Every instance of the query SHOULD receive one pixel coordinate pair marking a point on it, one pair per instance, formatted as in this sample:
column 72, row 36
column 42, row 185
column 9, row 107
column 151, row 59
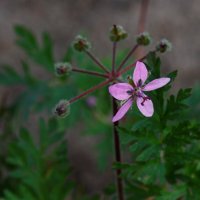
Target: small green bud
column 117, row 33
column 130, row 80
column 81, row 43
column 62, row 109
column 143, row 39
column 62, row 69
column 163, row 46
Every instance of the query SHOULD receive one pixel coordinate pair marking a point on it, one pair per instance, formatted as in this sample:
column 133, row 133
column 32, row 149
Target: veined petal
column 123, row 110
column 120, row 90
column 155, row 84
column 145, row 106
column 140, row 73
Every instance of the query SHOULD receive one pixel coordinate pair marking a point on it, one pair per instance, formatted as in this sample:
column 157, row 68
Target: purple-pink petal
column 140, row 73
column 119, row 90
column 145, row 107
column 155, row 84
column 123, row 110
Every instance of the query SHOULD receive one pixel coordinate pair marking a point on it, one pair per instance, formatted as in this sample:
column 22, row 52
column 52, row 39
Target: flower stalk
column 96, row 60
column 75, row 69
column 113, row 59
column 92, row 89
column 116, row 135
column 121, row 91
column 127, row 57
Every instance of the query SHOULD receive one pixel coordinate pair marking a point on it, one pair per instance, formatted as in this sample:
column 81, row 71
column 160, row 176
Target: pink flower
column 135, row 91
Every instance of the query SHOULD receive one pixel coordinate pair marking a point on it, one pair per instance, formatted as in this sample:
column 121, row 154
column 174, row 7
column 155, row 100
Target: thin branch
column 117, row 153
column 116, row 135
column 132, row 65
column 113, row 57
column 96, row 61
column 92, row 89
column 143, row 15
column 127, row 57
column 75, row 69
column 142, row 22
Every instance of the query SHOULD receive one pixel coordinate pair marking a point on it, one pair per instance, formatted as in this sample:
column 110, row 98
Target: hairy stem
column 114, row 54
column 116, row 136
column 117, row 154
column 130, row 66
column 92, row 89
column 75, row 69
column 95, row 60
column 127, row 57
column 141, row 22
column 143, row 15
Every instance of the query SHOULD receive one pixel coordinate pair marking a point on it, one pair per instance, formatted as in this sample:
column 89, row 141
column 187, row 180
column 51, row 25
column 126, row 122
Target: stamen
column 139, row 84
column 144, row 99
column 130, row 92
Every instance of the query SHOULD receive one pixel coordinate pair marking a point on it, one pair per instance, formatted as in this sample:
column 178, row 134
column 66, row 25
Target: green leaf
column 174, row 194
column 148, row 153
column 26, row 39
column 183, row 94
column 9, row 76
column 137, row 146
column 173, row 75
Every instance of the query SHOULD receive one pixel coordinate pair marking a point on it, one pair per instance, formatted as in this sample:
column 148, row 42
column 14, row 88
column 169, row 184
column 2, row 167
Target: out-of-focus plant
column 40, row 170
column 36, row 95
column 163, row 150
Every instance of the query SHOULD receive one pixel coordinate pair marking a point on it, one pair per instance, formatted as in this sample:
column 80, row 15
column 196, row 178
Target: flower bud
column 130, row 80
column 163, row 46
column 81, row 43
column 91, row 101
column 62, row 69
column 62, row 109
column 143, row 39
column 117, row 33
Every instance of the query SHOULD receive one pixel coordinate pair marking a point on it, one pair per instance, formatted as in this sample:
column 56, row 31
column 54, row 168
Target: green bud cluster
column 117, row 33
column 143, row 39
column 62, row 109
column 62, row 69
column 163, row 46
column 81, row 43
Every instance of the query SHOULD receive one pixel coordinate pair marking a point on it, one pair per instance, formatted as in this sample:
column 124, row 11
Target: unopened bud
column 143, row 39
column 81, row 43
column 62, row 69
column 130, row 80
column 117, row 33
column 62, row 109
column 163, row 46
column 91, row 101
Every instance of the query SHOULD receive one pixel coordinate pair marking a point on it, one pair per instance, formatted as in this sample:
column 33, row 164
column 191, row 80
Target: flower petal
column 140, row 73
column 155, row 84
column 123, row 110
column 119, row 91
column 145, row 107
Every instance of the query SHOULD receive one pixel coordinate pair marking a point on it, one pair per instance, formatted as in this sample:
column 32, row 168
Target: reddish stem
column 117, row 153
column 92, row 89
column 141, row 22
column 127, row 57
column 130, row 66
column 116, row 136
column 114, row 54
column 75, row 69
column 96, row 61
column 143, row 15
